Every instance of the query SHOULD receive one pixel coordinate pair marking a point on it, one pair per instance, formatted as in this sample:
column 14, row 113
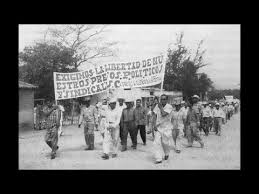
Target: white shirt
column 185, row 111
column 218, row 113
column 113, row 117
column 177, row 118
column 120, row 108
column 206, row 112
column 163, row 122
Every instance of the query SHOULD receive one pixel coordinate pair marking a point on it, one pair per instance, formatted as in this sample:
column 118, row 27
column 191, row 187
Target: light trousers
column 111, row 141
column 161, row 147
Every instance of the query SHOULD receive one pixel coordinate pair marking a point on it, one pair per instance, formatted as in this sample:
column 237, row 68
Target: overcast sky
column 139, row 41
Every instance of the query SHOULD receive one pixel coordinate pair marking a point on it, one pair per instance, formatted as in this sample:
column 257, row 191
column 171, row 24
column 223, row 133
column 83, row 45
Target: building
column 26, row 106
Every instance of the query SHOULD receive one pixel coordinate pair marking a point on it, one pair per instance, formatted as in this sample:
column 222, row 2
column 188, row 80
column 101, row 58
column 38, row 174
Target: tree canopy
column 181, row 72
column 38, row 62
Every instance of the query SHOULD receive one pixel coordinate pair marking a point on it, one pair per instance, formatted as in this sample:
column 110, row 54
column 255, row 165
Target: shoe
column 123, row 149
column 157, row 162
column 134, row 147
column 166, row 157
column 89, row 148
column 178, row 151
column 144, row 144
column 202, row 145
column 105, row 156
column 188, row 146
column 53, row 156
column 114, row 155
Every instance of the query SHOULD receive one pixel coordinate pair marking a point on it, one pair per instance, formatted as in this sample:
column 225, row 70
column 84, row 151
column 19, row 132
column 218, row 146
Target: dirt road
column 219, row 152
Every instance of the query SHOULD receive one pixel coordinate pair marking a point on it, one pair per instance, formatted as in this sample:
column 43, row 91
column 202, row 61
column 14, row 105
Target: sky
column 222, row 44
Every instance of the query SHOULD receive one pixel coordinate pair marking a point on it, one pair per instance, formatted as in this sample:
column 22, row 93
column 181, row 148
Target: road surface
column 219, row 152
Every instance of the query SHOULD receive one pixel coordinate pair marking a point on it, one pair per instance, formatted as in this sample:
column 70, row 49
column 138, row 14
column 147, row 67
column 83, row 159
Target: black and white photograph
column 129, row 97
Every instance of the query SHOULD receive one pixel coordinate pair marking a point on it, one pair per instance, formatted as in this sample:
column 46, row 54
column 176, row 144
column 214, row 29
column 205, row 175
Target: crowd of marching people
column 164, row 122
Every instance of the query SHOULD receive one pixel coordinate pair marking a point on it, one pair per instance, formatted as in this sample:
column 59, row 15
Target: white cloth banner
column 109, row 76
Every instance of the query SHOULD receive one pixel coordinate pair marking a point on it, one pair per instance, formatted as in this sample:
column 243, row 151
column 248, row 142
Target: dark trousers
column 206, row 123
column 129, row 127
column 121, row 132
column 89, row 135
column 142, row 129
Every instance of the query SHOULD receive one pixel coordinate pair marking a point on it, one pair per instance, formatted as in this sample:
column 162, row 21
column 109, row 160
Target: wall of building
column 26, row 102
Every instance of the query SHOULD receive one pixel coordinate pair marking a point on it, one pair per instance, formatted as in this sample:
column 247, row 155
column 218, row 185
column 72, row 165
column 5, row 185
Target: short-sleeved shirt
column 127, row 115
column 192, row 116
column 218, row 113
column 140, row 115
column 51, row 120
column 88, row 114
column 206, row 112
column 177, row 119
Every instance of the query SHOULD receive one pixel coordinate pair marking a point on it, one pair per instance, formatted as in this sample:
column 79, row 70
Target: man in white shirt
column 112, row 130
column 163, row 130
column 218, row 115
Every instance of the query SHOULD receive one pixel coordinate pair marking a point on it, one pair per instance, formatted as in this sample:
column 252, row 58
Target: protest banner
column 109, row 76
column 229, row 98
column 79, row 84
column 136, row 74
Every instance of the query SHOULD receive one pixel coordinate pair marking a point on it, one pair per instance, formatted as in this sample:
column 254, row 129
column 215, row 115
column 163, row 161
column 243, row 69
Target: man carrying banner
column 52, row 114
column 89, row 117
column 128, row 125
column 112, row 130
column 163, row 130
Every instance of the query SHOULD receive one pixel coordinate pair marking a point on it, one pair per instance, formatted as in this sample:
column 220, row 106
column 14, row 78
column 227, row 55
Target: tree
column 181, row 72
column 40, row 61
column 86, row 42
column 204, row 84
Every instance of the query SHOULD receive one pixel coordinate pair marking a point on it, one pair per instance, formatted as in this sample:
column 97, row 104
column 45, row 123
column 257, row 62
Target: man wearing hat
column 178, row 120
column 128, row 125
column 218, row 115
column 112, row 130
column 89, row 117
column 192, row 122
column 163, row 130
column 53, row 115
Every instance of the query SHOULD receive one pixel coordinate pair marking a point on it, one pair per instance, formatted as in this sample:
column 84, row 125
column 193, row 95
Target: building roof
column 26, row 85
